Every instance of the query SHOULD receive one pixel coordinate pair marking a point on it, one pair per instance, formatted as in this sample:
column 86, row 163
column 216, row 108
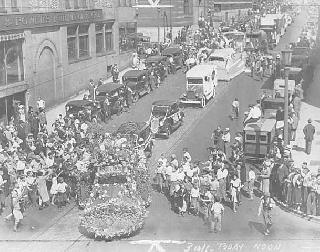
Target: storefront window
column 108, row 37
column 83, row 41
column 127, row 38
column 11, row 62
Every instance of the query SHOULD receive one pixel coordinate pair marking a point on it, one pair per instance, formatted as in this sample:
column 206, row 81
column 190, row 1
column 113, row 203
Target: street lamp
column 286, row 61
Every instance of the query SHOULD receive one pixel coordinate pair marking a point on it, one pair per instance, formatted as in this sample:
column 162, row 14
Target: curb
column 286, row 208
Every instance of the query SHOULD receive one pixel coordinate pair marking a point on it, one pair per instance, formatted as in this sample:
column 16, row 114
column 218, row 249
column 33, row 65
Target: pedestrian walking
column 235, row 108
column 251, row 179
column 91, row 89
column 226, row 138
column 115, row 73
column 265, row 207
column 294, row 126
column 309, row 131
column 217, row 210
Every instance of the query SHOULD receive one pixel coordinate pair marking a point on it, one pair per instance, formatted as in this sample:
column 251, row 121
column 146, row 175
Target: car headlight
column 184, row 95
column 161, row 123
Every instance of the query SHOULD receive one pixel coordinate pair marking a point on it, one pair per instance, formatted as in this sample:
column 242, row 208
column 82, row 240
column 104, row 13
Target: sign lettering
column 33, row 20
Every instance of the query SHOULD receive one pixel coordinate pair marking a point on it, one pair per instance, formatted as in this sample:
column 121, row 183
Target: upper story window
column 83, row 4
column 14, row 5
column 67, row 4
column 104, row 38
column 186, row 7
column 2, row 6
column 76, row 4
column 78, row 42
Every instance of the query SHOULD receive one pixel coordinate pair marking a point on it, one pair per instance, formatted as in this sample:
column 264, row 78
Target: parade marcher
column 265, row 176
column 265, row 207
column 309, row 131
column 251, row 180
column 297, row 181
column 217, row 211
column 235, row 192
column 194, row 199
column 226, row 138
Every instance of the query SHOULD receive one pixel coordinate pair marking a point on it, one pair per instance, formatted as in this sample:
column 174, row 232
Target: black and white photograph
column 159, row 125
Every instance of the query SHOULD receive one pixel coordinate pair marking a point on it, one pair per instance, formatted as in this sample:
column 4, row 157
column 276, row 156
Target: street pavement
column 166, row 231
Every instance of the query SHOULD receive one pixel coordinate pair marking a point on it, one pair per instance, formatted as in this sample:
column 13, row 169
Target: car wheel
column 135, row 97
column 203, row 102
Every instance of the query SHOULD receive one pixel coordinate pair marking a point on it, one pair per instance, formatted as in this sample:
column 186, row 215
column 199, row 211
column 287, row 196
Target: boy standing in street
column 217, row 211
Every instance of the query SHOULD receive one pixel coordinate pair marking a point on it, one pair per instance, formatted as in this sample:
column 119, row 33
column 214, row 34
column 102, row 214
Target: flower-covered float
column 121, row 191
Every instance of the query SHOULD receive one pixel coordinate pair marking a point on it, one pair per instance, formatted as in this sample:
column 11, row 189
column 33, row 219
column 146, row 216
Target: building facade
column 168, row 19
column 51, row 48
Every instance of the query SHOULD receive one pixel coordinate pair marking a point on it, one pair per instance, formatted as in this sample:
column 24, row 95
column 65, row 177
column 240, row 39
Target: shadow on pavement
column 257, row 226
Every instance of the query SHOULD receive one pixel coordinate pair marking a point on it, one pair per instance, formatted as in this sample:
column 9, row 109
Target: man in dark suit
column 309, row 131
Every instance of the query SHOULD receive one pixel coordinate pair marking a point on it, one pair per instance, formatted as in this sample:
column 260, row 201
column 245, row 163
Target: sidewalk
column 52, row 113
column 309, row 109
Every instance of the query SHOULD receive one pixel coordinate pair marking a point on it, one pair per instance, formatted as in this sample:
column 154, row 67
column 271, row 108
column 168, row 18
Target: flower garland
column 111, row 220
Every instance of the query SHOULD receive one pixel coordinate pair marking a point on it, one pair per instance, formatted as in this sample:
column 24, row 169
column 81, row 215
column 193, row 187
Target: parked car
column 115, row 94
column 165, row 117
column 139, row 133
column 159, row 63
column 83, row 109
column 177, row 55
column 139, row 83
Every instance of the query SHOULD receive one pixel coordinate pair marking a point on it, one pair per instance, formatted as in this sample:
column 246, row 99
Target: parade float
column 121, row 191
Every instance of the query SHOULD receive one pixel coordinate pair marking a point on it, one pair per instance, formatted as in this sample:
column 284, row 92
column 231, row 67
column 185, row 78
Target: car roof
column 134, row 73
column 201, row 70
column 131, row 127
column 170, row 51
column 265, row 125
column 80, row 103
column 108, row 87
column 164, row 102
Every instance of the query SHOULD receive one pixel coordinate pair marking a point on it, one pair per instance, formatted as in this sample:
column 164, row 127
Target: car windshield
column 195, row 81
column 159, row 110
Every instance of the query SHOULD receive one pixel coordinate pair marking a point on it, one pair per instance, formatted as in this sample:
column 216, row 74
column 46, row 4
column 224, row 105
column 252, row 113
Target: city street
column 242, row 231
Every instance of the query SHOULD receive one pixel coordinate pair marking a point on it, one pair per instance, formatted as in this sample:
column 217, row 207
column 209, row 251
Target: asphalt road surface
column 166, row 231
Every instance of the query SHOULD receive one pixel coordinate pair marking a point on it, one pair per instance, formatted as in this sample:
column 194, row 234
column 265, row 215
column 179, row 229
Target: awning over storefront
column 13, row 88
column 7, row 37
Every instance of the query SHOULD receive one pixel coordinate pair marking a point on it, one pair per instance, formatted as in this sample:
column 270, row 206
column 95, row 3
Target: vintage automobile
column 154, row 62
column 139, row 133
column 279, row 86
column 115, row 93
column 165, row 117
column 270, row 105
column 177, row 55
column 239, row 39
column 227, row 62
column 83, row 109
column 138, row 82
column 201, row 83
column 258, row 139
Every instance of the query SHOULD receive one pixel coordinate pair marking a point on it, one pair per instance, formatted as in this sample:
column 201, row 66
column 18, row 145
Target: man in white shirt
column 254, row 114
column 306, row 184
column 41, row 104
column 186, row 155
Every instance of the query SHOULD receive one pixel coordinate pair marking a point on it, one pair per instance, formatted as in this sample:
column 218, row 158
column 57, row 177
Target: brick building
column 51, row 48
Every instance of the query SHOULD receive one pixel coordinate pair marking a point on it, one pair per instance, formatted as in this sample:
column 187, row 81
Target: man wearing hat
column 226, row 137
column 309, row 131
column 265, row 207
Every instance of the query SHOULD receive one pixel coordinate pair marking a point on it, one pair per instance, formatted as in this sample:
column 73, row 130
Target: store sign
column 33, row 20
